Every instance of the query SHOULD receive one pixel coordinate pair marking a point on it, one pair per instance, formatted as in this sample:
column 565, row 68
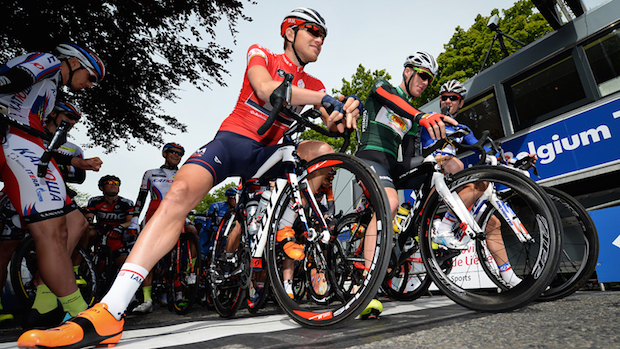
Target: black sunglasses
column 314, row 31
column 176, row 152
column 452, row 98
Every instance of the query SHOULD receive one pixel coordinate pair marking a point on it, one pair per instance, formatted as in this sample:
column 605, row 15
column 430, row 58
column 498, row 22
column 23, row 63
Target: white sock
column 125, row 285
column 447, row 223
column 288, row 217
column 505, row 270
column 288, row 286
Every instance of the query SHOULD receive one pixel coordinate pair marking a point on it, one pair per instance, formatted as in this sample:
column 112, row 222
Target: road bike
column 230, row 274
column 529, row 235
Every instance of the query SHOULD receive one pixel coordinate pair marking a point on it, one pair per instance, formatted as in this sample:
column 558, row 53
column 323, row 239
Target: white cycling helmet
column 87, row 58
column 300, row 16
column 453, row 86
column 422, row 59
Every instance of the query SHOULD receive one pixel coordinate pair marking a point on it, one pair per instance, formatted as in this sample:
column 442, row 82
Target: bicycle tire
column 227, row 293
column 185, row 273
column 580, row 247
column 351, row 175
column 24, row 269
column 535, row 262
column 105, row 269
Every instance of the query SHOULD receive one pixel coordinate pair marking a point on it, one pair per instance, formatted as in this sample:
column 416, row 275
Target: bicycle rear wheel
column 185, row 272
column 534, row 261
column 228, row 279
column 579, row 249
column 355, row 187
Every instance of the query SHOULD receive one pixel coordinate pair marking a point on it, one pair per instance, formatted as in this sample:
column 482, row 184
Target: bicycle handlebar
column 55, row 140
column 283, row 94
column 280, row 95
column 59, row 138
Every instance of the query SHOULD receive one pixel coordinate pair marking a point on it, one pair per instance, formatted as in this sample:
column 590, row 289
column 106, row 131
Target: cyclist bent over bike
column 237, row 150
column 28, row 89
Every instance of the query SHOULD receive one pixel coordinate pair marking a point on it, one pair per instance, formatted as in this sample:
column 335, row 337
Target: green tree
column 216, row 195
column 360, row 85
column 80, row 198
column 466, row 50
column 149, row 48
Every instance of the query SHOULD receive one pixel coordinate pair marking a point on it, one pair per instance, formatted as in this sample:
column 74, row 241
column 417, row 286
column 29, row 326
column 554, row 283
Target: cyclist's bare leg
column 234, row 239
column 308, row 150
column 191, row 184
column 370, row 238
column 55, row 267
column 495, row 242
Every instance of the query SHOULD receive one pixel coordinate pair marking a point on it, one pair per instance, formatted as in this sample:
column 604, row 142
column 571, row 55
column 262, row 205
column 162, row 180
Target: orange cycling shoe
column 292, row 249
column 94, row 326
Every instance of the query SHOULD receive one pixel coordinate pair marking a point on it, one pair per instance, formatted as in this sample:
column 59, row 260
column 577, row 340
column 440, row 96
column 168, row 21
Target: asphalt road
column 587, row 319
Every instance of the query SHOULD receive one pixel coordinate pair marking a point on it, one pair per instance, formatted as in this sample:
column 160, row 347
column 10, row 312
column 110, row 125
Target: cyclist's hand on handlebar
column 349, row 109
column 116, row 232
column 435, row 124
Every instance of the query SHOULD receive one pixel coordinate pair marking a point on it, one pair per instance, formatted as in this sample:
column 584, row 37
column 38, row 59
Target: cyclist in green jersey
column 390, row 121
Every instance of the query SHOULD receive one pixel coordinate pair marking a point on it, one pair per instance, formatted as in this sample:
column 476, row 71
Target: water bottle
column 400, row 221
column 255, row 222
column 250, row 210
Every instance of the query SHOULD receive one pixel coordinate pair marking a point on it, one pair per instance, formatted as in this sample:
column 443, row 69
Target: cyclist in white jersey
column 75, row 173
column 157, row 182
column 28, row 89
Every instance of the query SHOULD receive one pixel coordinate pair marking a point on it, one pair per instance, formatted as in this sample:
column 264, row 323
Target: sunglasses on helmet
column 423, row 74
column 314, row 30
column 453, row 98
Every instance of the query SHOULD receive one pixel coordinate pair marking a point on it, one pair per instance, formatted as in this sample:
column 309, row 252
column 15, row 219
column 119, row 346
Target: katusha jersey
column 35, row 102
column 251, row 112
column 157, row 182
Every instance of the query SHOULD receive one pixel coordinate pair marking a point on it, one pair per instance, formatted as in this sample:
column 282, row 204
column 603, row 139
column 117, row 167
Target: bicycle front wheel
column 579, row 249
column 345, row 281
column 475, row 280
column 228, row 278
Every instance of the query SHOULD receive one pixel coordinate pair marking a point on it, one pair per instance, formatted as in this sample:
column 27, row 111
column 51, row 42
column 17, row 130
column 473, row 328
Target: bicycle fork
column 490, row 196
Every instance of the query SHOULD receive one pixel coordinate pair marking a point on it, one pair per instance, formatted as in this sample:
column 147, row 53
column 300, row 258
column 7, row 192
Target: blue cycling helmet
column 87, row 58
column 230, row 192
column 172, row 145
column 68, row 109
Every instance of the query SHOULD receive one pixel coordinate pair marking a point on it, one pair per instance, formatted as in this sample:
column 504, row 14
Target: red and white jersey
column 158, row 181
column 251, row 112
column 35, row 102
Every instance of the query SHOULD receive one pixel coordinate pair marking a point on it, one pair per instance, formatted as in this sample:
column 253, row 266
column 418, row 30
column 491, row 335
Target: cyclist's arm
column 142, row 194
column 401, row 107
column 263, row 86
column 15, row 79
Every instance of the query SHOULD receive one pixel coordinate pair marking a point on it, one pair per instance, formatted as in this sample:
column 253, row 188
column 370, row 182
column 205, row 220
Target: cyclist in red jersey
column 237, row 150
column 113, row 215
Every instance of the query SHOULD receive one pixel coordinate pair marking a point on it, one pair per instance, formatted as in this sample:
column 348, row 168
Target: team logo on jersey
column 281, row 73
column 395, row 119
column 301, row 83
column 216, row 159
